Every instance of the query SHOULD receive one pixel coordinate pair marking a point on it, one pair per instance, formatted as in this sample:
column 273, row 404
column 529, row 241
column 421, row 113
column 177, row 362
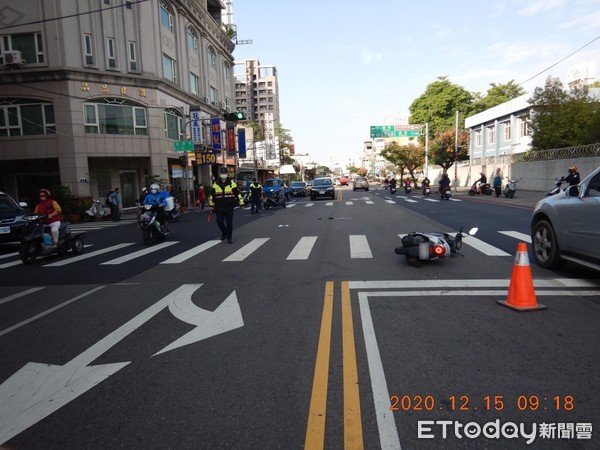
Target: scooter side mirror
column 473, row 230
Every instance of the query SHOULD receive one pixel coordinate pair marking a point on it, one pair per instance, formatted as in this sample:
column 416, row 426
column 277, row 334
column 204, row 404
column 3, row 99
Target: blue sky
column 344, row 65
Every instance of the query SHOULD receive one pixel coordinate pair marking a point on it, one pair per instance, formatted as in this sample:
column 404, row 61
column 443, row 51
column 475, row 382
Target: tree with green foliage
column 409, row 157
column 442, row 148
column 439, row 103
column 496, row 95
column 562, row 118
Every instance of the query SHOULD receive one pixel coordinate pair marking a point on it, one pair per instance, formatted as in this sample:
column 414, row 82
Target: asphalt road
column 302, row 333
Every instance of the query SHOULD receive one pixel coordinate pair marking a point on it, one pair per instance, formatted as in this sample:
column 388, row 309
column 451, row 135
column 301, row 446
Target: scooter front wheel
column 77, row 245
column 28, row 252
column 147, row 236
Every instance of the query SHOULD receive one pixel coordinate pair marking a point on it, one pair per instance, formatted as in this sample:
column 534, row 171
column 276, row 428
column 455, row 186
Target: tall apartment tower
column 257, row 91
column 95, row 94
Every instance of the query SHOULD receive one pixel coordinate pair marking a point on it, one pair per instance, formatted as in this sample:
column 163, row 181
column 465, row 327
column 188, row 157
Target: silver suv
column 566, row 226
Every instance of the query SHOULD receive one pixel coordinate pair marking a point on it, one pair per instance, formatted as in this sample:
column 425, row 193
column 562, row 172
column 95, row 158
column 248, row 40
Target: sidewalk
column 522, row 198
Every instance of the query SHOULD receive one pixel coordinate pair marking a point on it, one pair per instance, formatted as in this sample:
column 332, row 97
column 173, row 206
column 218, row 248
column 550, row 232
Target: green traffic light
column 239, row 115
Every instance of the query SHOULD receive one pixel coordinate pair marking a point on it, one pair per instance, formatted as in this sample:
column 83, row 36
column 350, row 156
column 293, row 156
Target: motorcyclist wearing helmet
column 224, row 197
column 157, row 198
column 52, row 210
column 573, row 178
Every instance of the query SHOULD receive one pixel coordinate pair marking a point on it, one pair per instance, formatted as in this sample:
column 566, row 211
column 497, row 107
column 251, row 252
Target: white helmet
column 154, row 188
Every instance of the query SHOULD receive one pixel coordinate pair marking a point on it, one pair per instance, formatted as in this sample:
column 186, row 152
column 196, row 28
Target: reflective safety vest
column 225, row 196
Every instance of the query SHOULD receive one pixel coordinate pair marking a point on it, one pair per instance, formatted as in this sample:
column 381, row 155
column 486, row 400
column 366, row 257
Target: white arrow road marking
column 515, row 234
column 37, row 390
column 226, row 317
column 78, row 258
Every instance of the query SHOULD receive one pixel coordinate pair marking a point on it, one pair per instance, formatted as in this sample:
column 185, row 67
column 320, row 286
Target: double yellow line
column 315, row 430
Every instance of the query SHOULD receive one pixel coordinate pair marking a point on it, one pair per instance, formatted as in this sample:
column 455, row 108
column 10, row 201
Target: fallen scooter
column 274, row 200
column 418, row 247
column 36, row 241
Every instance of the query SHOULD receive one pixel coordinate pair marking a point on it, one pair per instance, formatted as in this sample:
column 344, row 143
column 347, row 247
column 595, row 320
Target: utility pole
column 456, row 154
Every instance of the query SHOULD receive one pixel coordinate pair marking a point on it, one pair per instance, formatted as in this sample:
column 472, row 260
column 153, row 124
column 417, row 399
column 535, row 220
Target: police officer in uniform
column 255, row 194
column 224, row 197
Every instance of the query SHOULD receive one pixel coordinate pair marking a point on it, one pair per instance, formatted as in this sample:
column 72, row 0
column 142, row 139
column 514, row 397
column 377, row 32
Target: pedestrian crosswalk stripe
column 391, row 201
column 484, row 247
column 290, row 205
column 78, row 258
column 329, row 204
column 191, row 252
column 431, row 200
column 140, row 253
column 369, row 202
column 349, row 203
column 246, row 250
column 410, row 200
column 515, row 234
column 454, row 199
column 308, row 205
column 303, row 248
column 359, row 247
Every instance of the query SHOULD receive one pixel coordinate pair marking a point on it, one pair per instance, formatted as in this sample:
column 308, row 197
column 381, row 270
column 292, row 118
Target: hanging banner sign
column 242, row 142
column 215, row 130
column 230, row 140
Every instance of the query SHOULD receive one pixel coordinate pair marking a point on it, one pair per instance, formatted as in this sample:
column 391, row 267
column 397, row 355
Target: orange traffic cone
column 521, row 295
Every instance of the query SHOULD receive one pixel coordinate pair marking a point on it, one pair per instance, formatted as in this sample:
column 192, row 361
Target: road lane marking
column 353, row 434
column 431, row 200
column 246, row 250
column 391, row 201
column 359, row 246
column 329, row 204
column 491, row 283
column 388, row 433
column 349, row 203
column 315, row 429
column 140, row 253
column 484, row 247
column 410, row 200
column 515, row 234
column 303, row 248
column 191, row 252
column 48, row 311
column 20, row 294
column 308, row 205
column 78, row 258
column 369, row 202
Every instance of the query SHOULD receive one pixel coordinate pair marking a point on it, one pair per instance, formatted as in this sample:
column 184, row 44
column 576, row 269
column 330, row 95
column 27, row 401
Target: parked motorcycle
column 510, row 188
column 426, row 190
column 96, row 211
column 36, row 240
column 150, row 226
column 418, row 247
column 273, row 200
column 446, row 193
column 482, row 189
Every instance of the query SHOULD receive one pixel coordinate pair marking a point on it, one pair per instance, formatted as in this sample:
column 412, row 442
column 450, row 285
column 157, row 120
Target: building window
column 173, row 124
column 132, row 57
column 212, row 57
column 192, row 39
column 507, row 132
column 110, row 50
column 194, row 84
column 24, row 117
column 169, row 69
column 88, row 49
column 166, row 18
column 478, row 139
column 523, row 126
column 226, row 71
column 491, row 135
column 29, row 44
column 114, row 117
column 213, row 95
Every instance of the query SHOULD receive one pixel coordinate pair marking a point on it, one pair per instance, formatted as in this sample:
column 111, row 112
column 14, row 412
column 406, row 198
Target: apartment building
column 257, row 91
column 95, row 93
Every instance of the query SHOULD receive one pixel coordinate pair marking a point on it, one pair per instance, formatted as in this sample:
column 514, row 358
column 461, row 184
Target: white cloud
column 368, row 56
column 539, row 6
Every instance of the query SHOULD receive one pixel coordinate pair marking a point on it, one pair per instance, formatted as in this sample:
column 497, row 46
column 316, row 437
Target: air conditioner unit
column 228, row 108
column 206, row 100
column 13, row 57
column 222, row 105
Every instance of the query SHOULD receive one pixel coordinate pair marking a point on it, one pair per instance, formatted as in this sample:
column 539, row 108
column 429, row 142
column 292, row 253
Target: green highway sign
column 184, row 146
column 391, row 131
